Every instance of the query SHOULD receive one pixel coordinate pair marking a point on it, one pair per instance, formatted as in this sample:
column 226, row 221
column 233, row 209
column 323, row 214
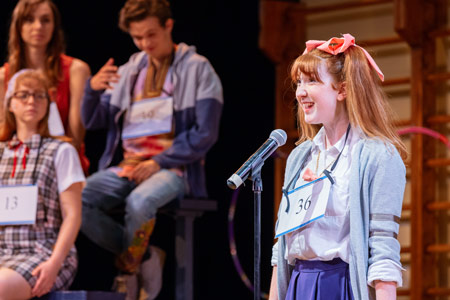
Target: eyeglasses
column 24, row 95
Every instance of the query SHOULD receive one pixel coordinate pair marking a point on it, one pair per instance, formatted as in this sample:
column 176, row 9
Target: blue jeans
column 105, row 191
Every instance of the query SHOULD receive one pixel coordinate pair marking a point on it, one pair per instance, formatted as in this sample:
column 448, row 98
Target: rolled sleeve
column 385, row 270
column 274, row 260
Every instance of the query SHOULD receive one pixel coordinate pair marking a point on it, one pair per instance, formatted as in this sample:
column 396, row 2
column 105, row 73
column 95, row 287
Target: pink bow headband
column 339, row 45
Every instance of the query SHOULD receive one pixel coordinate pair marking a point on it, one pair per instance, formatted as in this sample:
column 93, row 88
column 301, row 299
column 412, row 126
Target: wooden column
column 282, row 38
column 414, row 19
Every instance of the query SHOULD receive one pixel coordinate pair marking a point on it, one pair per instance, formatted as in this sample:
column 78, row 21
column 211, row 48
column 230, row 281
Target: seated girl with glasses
column 36, row 41
column 40, row 195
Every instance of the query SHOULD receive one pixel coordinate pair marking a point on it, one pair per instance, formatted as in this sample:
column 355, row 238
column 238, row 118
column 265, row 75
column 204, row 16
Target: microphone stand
column 257, row 189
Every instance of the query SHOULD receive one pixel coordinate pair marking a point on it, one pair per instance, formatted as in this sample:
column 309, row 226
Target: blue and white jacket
column 376, row 187
column 198, row 102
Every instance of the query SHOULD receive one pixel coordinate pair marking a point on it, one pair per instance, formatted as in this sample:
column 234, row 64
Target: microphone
column 276, row 139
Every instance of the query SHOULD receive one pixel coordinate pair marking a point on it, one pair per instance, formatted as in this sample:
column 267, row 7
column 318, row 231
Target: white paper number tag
column 303, row 205
column 55, row 125
column 18, row 204
column 149, row 117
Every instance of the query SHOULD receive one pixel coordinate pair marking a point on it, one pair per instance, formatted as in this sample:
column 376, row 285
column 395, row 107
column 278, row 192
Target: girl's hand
column 46, row 274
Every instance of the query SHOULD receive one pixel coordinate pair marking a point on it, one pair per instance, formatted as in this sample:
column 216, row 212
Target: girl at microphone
column 344, row 182
column 44, row 176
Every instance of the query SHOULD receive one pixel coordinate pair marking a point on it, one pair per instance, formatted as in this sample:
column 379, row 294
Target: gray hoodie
column 198, row 102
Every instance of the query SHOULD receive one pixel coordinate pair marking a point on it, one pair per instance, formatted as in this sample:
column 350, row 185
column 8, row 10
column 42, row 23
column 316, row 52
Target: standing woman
column 44, row 175
column 36, row 42
column 343, row 188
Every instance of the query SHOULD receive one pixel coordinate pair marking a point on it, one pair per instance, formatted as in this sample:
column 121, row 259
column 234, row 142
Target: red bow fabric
column 309, row 175
column 15, row 147
column 15, row 144
column 339, row 45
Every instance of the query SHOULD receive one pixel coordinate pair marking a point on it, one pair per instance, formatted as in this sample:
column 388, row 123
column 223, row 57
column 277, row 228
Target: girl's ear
column 342, row 91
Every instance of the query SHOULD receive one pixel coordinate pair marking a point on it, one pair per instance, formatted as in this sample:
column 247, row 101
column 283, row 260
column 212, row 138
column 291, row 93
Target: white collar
column 341, row 144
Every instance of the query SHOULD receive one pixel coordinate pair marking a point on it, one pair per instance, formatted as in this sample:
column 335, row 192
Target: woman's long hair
column 9, row 127
column 366, row 103
column 16, row 46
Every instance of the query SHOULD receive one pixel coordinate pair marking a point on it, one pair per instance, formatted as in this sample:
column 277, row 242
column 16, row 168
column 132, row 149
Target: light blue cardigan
column 377, row 184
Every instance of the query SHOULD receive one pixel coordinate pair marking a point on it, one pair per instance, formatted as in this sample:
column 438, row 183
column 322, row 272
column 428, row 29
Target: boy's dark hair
column 138, row 10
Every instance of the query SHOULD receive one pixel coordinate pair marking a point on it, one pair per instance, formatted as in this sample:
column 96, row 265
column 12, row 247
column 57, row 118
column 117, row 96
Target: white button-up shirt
column 329, row 236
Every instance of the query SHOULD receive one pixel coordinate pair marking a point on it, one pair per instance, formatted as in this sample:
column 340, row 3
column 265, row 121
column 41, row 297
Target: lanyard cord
column 326, row 172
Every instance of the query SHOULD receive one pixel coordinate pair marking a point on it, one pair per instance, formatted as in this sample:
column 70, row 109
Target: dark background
column 226, row 32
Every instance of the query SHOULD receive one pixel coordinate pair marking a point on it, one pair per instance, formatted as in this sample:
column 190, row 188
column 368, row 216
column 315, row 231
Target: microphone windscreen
column 280, row 136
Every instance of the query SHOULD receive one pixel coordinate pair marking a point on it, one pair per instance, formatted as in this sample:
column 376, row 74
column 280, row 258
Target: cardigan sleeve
column 386, row 190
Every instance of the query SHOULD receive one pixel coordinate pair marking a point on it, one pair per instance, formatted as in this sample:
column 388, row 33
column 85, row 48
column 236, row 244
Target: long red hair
column 16, row 46
column 366, row 103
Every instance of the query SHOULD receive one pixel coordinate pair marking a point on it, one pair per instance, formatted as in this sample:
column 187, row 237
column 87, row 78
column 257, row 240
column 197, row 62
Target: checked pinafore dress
column 24, row 247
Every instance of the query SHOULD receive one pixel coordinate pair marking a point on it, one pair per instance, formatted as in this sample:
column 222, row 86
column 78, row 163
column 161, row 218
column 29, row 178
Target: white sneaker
column 127, row 284
column 150, row 274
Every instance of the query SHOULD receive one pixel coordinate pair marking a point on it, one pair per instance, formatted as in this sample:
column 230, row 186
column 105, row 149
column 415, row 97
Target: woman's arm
column 70, row 200
column 273, row 294
column 79, row 73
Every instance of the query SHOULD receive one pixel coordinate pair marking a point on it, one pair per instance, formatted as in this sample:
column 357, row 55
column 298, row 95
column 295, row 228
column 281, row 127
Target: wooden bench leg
column 184, row 247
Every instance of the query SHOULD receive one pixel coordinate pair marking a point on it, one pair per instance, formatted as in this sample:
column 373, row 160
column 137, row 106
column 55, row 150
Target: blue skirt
column 320, row 280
